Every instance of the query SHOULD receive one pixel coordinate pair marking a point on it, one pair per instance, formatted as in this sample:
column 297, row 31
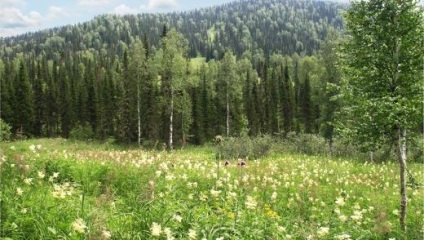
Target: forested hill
column 252, row 69
column 271, row 26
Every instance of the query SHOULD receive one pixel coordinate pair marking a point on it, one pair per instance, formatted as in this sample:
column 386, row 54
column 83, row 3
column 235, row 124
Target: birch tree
column 382, row 58
column 174, row 69
column 229, row 87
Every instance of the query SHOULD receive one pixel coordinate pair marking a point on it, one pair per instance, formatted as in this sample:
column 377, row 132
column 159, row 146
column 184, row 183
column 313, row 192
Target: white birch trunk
column 331, row 146
column 402, row 167
column 171, row 117
column 139, row 113
column 228, row 114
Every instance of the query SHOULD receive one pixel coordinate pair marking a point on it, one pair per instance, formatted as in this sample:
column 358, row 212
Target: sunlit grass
column 58, row 189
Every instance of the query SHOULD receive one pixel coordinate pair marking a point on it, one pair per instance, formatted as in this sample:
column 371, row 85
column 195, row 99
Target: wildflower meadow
column 59, row 189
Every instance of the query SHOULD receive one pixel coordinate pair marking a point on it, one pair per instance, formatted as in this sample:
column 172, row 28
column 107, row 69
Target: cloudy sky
column 20, row 16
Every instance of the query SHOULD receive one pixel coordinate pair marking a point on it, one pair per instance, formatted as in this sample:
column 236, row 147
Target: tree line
column 162, row 95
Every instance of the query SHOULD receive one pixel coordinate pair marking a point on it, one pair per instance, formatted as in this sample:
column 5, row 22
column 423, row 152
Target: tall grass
column 57, row 189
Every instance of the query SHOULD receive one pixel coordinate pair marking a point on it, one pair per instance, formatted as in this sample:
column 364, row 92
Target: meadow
column 59, row 189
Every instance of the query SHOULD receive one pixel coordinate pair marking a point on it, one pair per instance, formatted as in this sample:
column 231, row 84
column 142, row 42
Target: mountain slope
column 271, row 26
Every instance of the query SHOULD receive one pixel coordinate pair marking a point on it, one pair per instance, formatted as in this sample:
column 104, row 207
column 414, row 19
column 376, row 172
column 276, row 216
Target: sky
column 21, row 16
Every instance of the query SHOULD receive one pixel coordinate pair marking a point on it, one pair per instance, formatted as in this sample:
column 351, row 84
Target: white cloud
column 124, row 9
column 56, row 12
column 160, row 4
column 14, row 18
column 9, row 3
column 97, row 3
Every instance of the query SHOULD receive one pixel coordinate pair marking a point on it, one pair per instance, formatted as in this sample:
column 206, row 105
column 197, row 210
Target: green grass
column 58, row 189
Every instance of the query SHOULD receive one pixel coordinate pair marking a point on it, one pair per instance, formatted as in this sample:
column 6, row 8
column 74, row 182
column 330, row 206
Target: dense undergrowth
column 59, row 189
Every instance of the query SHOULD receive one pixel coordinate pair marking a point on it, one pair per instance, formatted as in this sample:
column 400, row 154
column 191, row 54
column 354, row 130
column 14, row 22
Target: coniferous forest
column 250, row 67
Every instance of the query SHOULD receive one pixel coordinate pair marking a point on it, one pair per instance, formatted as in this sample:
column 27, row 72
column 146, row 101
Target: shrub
column 82, row 132
column 5, row 132
column 243, row 147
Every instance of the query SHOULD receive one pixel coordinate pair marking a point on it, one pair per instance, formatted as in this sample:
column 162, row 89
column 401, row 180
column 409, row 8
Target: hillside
column 271, row 26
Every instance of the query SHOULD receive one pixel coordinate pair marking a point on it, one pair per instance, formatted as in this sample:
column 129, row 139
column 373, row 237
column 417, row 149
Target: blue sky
column 20, row 16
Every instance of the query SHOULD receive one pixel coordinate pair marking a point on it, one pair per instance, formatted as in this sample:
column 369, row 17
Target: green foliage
column 244, row 147
column 82, row 132
column 5, row 132
column 382, row 61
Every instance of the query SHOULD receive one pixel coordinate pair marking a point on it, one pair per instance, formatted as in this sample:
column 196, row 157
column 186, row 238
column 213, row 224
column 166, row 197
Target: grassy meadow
column 59, row 189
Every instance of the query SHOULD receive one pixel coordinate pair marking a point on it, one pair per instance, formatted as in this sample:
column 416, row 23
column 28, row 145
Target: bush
column 82, row 132
column 5, row 132
column 243, row 147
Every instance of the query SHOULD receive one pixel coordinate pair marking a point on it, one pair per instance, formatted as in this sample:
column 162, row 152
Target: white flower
column 177, row 217
column 28, row 181
column 168, row 234
column 19, row 191
column 342, row 237
column 106, row 235
column 323, row 231
column 156, row 229
column 396, row 212
column 215, row 193
column 281, row 229
column 340, row 201
column 55, row 174
column 32, row 148
column 343, row 218
column 24, row 210
column 219, row 183
column 192, row 234
column 357, row 216
column 274, row 196
column 79, row 225
column 251, row 203
column 41, row 174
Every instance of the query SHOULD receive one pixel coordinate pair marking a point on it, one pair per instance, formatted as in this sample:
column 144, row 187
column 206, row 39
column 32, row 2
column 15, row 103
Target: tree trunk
column 402, row 165
column 138, row 113
column 228, row 114
column 171, row 116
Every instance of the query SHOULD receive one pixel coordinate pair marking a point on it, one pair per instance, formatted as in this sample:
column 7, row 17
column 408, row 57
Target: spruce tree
column 39, row 101
column 287, row 102
column 24, row 107
column 307, row 105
